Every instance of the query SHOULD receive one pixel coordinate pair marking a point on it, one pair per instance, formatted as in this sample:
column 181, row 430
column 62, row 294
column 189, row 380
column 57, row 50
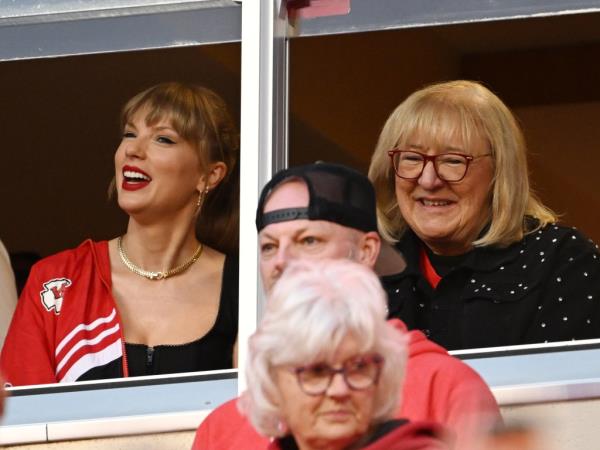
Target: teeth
column 435, row 202
column 135, row 175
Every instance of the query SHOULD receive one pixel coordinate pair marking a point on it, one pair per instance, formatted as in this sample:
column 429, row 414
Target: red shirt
column 66, row 324
column 437, row 387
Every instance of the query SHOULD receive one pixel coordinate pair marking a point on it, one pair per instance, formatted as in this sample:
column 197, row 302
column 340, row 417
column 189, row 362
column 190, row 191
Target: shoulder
column 228, row 413
column 559, row 247
column 556, row 236
column 71, row 258
column 429, row 363
column 432, row 363
column 215, row 432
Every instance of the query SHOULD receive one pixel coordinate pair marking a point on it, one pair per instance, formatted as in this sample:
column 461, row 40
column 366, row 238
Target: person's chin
column 341, row 432
column 130, row 205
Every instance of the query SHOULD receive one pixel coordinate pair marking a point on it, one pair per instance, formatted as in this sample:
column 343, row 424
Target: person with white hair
column 324, row 210
column 325, row 368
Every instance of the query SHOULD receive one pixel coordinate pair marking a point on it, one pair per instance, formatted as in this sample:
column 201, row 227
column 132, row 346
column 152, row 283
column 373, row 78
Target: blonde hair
column 200, row 117
column 467, row 110
column 311, row 309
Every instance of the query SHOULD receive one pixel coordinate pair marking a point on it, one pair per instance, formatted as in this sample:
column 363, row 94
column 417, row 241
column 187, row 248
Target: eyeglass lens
column 359, row 373
column 449, row 167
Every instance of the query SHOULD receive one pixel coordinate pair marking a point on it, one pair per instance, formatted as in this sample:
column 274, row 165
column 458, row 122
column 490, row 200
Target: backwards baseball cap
column 337, row 194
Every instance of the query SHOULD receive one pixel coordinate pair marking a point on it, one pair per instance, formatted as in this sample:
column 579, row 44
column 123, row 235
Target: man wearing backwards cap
column 328, row 211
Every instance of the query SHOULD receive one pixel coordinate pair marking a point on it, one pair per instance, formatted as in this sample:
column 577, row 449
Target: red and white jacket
column 66, row 326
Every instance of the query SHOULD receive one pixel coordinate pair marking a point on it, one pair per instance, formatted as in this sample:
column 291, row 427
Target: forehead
column 448, row 140
column 291, row 193
column 150, row 118
column 440, row 126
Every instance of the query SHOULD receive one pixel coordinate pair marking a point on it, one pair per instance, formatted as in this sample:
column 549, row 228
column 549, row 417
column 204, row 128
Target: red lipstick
column 134, row 178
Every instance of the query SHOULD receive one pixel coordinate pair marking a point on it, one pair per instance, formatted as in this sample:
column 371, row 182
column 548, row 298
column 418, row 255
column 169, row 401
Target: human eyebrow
column 162, row 128
column 453, row 149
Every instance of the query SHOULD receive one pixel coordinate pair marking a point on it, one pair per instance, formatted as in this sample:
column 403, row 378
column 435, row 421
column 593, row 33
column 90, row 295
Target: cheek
column 266, row 271
column 119, row 154
column 403, row 188
column 477, row 198
column 296, row 407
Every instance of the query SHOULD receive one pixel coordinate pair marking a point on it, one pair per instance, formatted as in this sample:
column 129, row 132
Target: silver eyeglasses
column 359, row 373
column 409, row 164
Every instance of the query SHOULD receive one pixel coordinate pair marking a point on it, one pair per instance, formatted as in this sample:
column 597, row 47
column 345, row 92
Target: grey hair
column 309, row 312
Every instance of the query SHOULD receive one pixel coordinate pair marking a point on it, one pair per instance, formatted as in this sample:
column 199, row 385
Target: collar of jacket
column 483, row 259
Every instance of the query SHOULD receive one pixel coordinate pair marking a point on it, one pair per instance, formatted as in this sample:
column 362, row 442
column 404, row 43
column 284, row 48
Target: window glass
column 62, row 128
column 344, row 86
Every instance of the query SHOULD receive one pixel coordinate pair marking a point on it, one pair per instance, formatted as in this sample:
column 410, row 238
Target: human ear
column 213, row 176
column 369, row 246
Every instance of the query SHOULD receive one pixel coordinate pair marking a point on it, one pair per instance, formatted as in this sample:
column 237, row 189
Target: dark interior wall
column 343, row 87
column 60, row 129
column 59, row 116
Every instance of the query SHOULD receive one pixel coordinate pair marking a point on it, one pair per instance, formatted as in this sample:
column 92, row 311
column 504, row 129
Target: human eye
column 267, row 248
column 318, row 370
column 410, row 158
column 128, row 134
column 452, row 160
column 309, row 241
column 358, row 365
column 165, row 140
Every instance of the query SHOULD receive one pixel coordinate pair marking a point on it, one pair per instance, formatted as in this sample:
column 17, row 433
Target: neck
column 159, row 246
column 325, row 444
column 448, row 250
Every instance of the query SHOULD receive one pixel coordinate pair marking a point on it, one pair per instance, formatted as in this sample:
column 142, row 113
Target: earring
column 282, row 428
column 201, row 196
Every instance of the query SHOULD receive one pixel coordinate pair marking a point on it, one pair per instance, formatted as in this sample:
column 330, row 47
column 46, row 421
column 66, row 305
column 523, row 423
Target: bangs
column 171, row 103
column 437, row 121
column 321, row 333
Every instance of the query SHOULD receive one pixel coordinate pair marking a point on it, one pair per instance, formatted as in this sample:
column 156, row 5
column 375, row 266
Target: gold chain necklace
column 156, row 275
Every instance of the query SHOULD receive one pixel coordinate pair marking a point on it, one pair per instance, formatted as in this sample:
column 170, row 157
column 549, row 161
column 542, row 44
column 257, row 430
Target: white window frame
column 59, row 29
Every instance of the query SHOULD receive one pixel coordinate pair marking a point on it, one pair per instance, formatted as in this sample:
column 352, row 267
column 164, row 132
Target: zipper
column 149, row 357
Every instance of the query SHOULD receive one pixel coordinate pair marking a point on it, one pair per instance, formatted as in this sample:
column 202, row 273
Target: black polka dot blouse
column 544, row 288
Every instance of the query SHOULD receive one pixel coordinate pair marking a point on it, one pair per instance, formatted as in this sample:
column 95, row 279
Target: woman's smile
column 134, row 178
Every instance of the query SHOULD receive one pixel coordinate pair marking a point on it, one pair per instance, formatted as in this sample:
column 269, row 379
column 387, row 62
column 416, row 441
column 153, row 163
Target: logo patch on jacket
column 53, row 294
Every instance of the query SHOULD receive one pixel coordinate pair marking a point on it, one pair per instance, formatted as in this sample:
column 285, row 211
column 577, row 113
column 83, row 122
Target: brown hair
column 200, row 117
column 470, row 110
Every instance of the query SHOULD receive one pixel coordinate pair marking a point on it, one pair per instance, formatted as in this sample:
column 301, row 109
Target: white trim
column 494, row 351
column 251, row 121
column 84, row 326
column 122, row 426
column 23, row 434
column 83, row 342
column 560, row 391
column 91, row 360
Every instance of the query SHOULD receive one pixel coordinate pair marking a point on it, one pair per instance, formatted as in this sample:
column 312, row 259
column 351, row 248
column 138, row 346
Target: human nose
column 134, row 148
column 429, row 178
column 338, row 386
column 282, row 258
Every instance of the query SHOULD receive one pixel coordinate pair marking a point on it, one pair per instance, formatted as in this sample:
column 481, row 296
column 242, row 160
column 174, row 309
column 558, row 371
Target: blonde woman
column 156, row 299
column 487, row 263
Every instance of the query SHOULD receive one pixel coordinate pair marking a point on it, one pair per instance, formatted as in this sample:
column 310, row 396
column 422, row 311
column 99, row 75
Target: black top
column 544, row 288
column 289, row 443
column 212, row 351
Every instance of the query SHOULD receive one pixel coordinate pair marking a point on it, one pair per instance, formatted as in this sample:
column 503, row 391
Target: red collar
column 427, row 269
